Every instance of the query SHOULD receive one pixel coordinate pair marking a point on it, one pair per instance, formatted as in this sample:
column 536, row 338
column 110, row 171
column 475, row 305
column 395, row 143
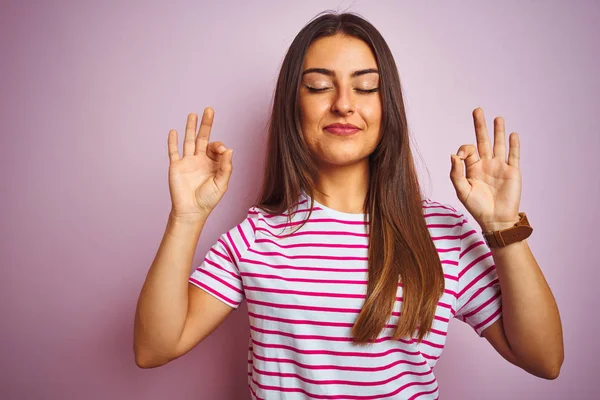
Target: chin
column 342, row 160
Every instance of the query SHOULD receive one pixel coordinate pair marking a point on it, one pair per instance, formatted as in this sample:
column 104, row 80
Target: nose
column 343, row 102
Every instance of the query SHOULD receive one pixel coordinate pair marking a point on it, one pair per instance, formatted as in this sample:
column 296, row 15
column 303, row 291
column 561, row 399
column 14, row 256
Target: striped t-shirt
column 304, row 291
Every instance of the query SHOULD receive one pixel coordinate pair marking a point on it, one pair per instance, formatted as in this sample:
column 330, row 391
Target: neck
column 344, row 188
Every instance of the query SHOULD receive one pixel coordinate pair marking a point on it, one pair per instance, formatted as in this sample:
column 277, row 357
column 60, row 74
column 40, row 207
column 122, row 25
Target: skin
column 489, row 185
column 529, row 334
column 341, row 102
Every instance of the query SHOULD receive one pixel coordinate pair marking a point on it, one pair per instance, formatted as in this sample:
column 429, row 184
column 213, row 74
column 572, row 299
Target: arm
column 530, row 333
column 172, row 315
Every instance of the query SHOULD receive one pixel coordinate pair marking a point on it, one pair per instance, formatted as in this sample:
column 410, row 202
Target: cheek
column 372, row 113
column 311, row 113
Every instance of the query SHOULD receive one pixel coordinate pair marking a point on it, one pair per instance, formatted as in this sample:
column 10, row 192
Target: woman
column 350, row 275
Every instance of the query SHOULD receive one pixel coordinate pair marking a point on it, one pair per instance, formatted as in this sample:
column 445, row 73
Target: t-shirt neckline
column 334, row 213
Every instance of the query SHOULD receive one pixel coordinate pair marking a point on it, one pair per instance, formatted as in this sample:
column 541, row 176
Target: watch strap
column 519, row 231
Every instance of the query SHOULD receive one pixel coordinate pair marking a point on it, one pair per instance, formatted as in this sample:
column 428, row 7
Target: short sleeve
column 479, row 300
column 219, row 273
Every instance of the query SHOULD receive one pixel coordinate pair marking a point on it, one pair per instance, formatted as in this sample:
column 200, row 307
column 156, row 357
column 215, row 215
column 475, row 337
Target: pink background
column 90, row 91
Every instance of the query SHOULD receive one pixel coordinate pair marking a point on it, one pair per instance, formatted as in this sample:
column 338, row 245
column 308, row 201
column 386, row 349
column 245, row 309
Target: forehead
column 342, row 54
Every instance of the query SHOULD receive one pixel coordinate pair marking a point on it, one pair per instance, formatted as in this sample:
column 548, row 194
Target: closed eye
column 315, row 90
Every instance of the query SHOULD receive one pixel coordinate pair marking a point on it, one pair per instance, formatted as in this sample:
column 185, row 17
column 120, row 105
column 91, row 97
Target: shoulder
column 439, row 212
column 242, row 236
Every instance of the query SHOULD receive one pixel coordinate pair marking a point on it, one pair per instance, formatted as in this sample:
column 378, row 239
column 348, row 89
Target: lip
column 342, row 129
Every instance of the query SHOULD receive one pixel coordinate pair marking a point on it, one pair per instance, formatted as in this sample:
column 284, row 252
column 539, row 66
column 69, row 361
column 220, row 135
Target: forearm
column 162, row 306
column 530, row 315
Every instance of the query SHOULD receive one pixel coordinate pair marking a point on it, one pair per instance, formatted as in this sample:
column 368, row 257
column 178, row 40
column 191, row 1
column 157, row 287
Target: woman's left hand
column 491, row 189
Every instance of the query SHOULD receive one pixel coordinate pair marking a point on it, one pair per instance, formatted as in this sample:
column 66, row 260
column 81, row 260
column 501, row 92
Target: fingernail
column 222, row 148
column 461, row 153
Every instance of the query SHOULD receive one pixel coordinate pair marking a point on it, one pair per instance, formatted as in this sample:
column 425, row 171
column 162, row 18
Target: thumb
column 457, row 176
column 224, row 173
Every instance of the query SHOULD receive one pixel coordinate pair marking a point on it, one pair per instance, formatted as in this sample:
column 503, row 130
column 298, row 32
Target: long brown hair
column 400, row 247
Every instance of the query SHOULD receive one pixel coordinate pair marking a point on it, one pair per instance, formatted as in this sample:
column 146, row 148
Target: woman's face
column 343, row 90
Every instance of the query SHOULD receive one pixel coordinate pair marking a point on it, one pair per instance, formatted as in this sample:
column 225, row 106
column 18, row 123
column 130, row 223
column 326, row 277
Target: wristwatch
column 519, row 231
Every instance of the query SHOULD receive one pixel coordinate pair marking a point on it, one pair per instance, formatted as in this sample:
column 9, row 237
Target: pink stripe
column 450, row 292
column 448, row 250
column 313, row 220
column 217, row 252
column 323, row 281
column 442, row 215
column 252, row 225
column 232, row 243
column 488, row 319
column 324, row 323
column 214, row 264
column 322, row 269
column 327, row 233
column 472, row 263
column 477, row 279
column 306, row 280
column 439, row 250
column 239, row 227
column 429, row 357
column 337, row 381
column 301, row 307
column 220, row 280
column 283, row 214
column 202, row 285
column 343, row 397
column 467, row 234
column 336, row 353
column 337, row 367
column 307, row 257
column 309, row 294
column 416, row 395
column 450, row 262
column 438, row 332
column 228, row 250
column 444, row 225
column 481, row 307
column 438, row 205
column 325, row 338
column 328, row 245
column 478, row 292
column 427, row 200
column 323, row 309
column 252, row 390
column 471, row 247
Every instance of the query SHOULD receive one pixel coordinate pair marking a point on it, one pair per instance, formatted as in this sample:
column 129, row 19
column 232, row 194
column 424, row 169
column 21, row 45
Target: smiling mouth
column 341, row 131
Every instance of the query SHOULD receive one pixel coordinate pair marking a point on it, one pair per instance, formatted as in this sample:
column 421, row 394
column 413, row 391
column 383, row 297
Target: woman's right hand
column 199, row 179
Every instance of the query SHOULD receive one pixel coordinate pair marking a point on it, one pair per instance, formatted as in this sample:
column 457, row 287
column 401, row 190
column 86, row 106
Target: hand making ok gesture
column 491, row 189
column 198, row 180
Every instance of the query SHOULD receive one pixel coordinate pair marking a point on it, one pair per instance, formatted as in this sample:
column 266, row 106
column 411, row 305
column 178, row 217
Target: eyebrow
column 329, row 72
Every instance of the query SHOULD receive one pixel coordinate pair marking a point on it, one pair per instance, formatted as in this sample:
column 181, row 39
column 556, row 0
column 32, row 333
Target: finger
column 514, row 151
column 457, row 176
column 224, row 173
column 468, row 153
column 172, row 146
column 215, row 150
column 483, row 141
column 189, row 143
column 499, row 139
column 205, row 127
